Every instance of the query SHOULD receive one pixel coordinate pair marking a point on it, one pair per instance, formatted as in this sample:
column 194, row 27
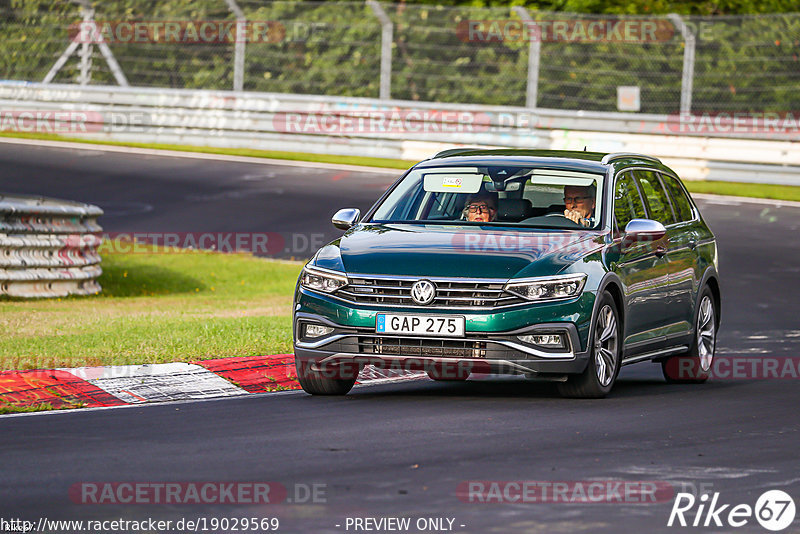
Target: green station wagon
column 556, row 265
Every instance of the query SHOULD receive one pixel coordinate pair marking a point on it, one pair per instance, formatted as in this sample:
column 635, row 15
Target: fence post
column 239, row 46
column 687, row 78
column 387, row 36
column 534, row 54
column 86, row 49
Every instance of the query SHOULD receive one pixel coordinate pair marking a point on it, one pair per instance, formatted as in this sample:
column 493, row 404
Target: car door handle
column 661, row 251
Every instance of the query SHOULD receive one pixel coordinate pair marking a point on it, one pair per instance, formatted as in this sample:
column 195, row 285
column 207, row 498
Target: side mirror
column 346, row 218
column 643, row 230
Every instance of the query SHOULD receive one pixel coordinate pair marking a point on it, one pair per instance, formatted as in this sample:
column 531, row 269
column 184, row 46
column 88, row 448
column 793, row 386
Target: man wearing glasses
column 481, row 207
column 579, row 204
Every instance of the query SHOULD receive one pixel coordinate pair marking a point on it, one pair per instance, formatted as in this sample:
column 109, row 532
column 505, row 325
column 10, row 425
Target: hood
column 456, row 251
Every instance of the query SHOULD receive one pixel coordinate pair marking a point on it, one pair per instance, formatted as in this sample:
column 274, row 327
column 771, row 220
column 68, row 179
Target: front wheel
column 333, row 381
column 694, row 367
column 604, row 361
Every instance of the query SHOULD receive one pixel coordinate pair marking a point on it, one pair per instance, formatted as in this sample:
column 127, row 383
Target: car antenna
column 584, row 148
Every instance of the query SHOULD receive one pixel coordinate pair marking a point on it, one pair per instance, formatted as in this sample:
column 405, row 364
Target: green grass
column 272, row 154
column 737, row 189
column 157, row 308
column 11, row 408
column 777, row 192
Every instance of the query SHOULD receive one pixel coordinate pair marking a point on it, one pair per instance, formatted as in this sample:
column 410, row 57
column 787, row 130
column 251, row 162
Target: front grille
column 449, row 293
column 422, row 347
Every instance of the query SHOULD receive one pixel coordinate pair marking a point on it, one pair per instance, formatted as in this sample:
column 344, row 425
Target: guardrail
column 48, row 247
column 391, row 128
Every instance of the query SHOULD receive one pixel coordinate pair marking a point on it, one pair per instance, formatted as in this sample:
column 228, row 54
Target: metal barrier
column 48, row 247
column 393, row 128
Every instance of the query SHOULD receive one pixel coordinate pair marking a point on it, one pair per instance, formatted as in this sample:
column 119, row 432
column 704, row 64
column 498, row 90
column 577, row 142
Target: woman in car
column 481, row 207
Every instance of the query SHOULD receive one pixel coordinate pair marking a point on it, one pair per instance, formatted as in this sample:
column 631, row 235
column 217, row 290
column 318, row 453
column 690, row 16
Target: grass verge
column 739, row 189
column 11, row 408
column 270, row 154
column 157, row 308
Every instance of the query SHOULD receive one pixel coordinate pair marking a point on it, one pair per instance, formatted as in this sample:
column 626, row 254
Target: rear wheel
column 333, row 381
column 604, row 361
column 694, row 367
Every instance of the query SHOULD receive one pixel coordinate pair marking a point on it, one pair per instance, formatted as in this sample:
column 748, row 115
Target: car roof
column 597, row 162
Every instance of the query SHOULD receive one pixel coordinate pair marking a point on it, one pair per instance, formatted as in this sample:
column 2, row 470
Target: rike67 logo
column 774, row 510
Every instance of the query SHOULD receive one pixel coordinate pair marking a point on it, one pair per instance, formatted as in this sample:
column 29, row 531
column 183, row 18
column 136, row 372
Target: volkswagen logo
column 423, row 292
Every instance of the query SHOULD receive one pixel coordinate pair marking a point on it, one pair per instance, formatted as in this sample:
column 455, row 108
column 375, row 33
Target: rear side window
column 627, row 203
column 680, row 201
column 657, row 201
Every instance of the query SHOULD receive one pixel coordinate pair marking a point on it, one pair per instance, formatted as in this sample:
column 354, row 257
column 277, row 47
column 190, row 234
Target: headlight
column 549, row 288
column 319, row 280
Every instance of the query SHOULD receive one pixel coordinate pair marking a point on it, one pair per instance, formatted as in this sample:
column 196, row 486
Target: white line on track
column 718, row 199
column 198, row 155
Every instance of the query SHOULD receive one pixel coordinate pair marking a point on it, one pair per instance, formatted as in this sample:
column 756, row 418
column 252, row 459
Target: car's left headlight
column 322, row 280
column 548, row 288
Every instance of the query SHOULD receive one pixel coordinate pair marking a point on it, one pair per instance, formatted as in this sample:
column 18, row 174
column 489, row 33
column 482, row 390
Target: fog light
column 550, row 341
column 317, row 330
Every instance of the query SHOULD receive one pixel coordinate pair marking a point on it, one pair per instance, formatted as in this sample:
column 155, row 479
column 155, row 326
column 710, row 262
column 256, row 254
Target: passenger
column 579, row 204
column 481, row 207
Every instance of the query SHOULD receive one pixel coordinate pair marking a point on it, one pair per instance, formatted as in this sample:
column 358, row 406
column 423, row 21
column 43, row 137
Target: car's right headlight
column 548, row 288
column 322, row 280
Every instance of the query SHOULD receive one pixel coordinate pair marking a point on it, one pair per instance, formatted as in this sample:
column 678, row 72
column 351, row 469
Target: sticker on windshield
column 452, row 183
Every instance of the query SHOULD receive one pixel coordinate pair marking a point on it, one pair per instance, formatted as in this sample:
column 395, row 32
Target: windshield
column 517, row 196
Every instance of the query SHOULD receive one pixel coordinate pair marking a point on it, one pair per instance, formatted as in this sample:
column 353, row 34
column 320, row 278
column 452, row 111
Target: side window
column 627, row 203
column 681, row 203
column 655, row 196
column 442, row 206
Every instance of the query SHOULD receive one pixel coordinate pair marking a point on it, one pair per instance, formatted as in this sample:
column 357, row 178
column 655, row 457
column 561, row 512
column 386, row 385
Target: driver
column 579, row 203
column 481, row 207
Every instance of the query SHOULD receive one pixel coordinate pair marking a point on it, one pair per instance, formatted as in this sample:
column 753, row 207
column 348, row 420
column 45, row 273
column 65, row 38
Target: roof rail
column 608, row 158
column 453, row 152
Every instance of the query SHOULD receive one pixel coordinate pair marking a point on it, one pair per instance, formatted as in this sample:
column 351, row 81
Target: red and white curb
column 135, row 384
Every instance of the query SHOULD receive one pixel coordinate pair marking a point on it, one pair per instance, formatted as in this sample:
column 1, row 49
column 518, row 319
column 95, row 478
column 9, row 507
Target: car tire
column 325, row 382
column 605, row 345
column 694, row 367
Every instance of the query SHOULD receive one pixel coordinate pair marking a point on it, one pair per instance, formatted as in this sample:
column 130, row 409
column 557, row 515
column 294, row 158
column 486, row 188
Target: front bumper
column 490, row 345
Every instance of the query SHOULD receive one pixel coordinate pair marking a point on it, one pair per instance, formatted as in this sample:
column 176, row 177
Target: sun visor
column 452, row 182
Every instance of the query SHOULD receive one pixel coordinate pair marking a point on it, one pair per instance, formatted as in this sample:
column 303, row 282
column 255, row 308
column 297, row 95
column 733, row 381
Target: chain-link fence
column 470, row 55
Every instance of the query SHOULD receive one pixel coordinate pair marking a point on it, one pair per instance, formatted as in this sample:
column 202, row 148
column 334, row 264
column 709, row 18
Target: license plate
column 420, row 325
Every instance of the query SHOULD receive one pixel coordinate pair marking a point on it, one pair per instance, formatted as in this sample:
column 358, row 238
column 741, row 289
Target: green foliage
column 744, row 63
column 638, row 7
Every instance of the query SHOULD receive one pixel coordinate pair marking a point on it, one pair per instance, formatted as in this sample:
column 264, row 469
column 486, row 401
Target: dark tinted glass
column 657, row 201
column 627, row 204
column 681, row 203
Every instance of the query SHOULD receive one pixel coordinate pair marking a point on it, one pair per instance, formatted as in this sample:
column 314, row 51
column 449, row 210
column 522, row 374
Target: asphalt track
column 403, row 449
